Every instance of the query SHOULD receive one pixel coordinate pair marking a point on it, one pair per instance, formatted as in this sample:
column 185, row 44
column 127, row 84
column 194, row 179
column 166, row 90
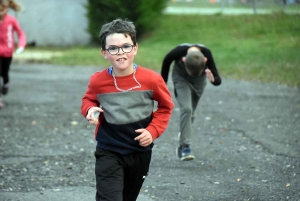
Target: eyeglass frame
column 132, row 46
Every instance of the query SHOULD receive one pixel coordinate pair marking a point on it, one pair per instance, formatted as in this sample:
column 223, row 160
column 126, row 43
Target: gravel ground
column 246, row 142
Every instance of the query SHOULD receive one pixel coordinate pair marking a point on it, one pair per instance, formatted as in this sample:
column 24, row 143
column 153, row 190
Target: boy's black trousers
column 120, row 177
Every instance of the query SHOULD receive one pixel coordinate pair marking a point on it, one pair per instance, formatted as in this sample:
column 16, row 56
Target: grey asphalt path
column 246, row 142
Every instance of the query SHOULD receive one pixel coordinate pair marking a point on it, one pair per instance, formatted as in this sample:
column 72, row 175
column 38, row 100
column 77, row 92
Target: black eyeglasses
column 127, row 48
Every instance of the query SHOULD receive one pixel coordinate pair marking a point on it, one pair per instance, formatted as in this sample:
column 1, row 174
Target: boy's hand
column 93, row 115
column 209, row 75
column 145, row 137
column 19, row 50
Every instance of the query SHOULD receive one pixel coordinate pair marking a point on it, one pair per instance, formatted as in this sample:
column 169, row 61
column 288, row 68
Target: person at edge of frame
column 8, row 26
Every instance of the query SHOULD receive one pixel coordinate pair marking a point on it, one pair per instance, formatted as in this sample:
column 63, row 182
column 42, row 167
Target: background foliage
column 262, row 47
column 143, row 13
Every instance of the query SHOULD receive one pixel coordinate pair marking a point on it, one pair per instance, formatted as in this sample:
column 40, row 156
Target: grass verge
column 263, row 48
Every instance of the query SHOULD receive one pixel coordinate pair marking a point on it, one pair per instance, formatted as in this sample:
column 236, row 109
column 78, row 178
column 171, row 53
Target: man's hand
column 209, row 75
column 93, row 115
column 145, row 137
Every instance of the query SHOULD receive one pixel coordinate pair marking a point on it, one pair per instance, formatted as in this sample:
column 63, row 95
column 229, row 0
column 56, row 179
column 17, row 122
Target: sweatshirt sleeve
column 166, row 66
column 163, row 113
column 20, row 33
column 176, row 53
column 89, row 99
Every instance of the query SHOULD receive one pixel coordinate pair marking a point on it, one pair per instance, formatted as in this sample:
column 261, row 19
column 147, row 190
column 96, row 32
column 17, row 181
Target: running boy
column 124, row 94
column 8, row 26
column 192, row 64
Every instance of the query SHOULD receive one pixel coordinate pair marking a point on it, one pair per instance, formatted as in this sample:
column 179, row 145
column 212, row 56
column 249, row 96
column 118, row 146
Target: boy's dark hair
column 117, row 26
column 194, row 63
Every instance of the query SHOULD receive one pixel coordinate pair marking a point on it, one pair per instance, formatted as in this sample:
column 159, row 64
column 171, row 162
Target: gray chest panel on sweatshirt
column 126, row 107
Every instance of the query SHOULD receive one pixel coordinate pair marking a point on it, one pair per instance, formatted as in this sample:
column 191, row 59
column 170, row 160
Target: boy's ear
column 135, row 49
column 183, row 59
column 103, row 52
column 205, row 59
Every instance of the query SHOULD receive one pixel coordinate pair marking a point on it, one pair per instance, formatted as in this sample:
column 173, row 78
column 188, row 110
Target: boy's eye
column 127, row 46
column 113, row 48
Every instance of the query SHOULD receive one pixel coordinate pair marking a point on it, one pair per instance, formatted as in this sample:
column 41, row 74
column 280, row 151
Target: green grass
column 263, row 48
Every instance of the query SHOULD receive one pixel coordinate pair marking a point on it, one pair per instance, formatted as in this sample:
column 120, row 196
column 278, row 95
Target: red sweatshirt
column 8, row 26
column 124, row 112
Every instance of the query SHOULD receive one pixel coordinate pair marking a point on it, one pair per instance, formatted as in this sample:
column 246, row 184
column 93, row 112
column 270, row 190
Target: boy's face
column 122, row 62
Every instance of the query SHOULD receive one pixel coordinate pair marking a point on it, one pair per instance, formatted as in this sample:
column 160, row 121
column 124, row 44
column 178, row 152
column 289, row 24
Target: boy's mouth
column 121, row 59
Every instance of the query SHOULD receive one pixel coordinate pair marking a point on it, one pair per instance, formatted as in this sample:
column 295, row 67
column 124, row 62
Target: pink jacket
column 8, row 26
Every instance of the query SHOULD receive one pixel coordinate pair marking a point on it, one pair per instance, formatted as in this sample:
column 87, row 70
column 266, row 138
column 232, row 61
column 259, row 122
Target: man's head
column 194, row 63
column 117, row 26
